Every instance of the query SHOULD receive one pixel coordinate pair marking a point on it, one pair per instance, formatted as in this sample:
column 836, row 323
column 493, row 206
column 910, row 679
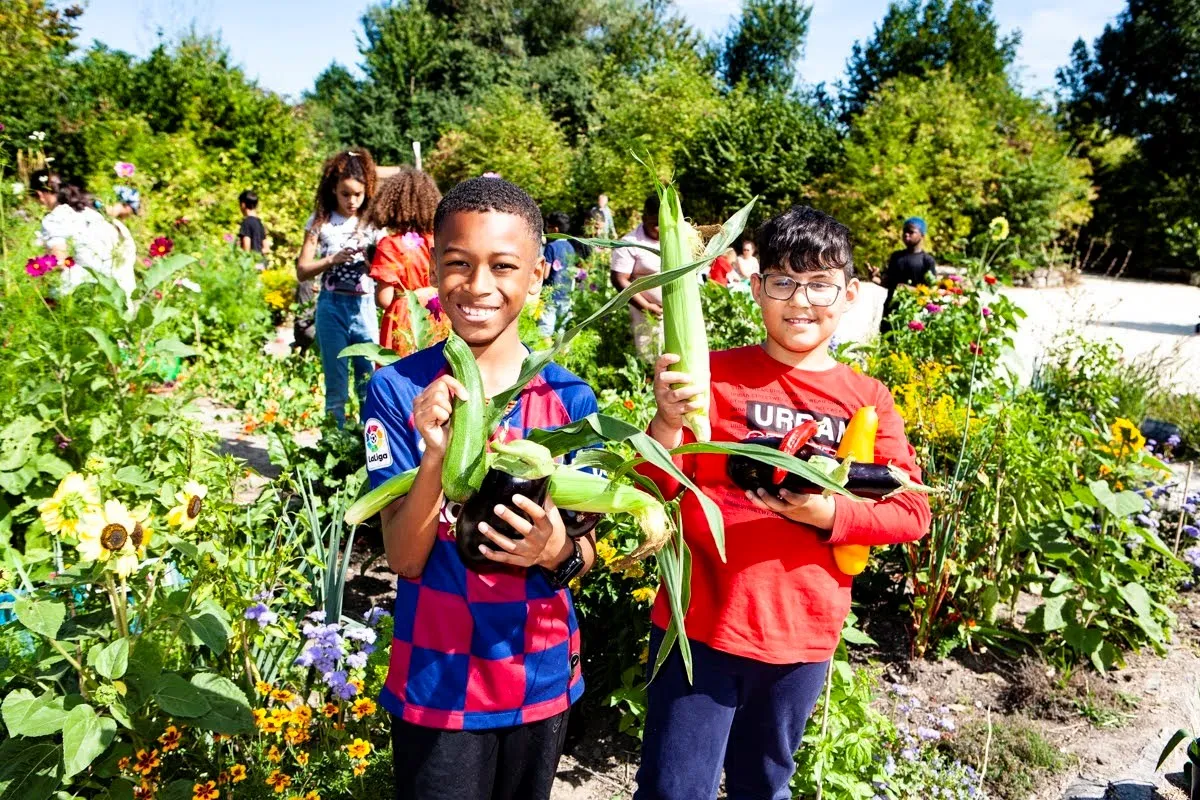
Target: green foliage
column 761, row 50
column 920, row 36
column 509, row 135
column 958, row 156
column 1019, row 756
column 768, row 145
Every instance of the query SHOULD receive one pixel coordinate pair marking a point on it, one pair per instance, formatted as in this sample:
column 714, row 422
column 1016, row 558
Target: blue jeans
column 343, row 320
column 743, row 715
column 556, row 312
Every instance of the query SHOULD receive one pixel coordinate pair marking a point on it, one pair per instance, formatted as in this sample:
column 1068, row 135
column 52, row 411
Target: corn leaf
column 675, row 568
column 380, row 355
column 418, row 322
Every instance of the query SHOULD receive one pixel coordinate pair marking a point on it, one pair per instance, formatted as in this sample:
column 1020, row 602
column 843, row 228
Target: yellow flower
column 170, row 739
column 644, row 656
column 205, row 791
column 359, row 768
column 294, row 735
column 237, row 773
column 271, row 724
column 146, row 762
column 605, row 551
column 357, row 684
column 1127, row 439
column 330, row 709
column 74, row 497
column 191, row 499
column 359, row 748
column 312, row 796
column 262, row 687
column 108, row 534
column 998, row 228
column 362, row 707
column 278, row 781
column 644, row 594
column 282, row 696
column 260, row 716
column 273, row 755
column 302, row 759
column 302, row 715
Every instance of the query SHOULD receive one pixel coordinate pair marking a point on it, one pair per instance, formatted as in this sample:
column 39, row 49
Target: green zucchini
column 465, row 465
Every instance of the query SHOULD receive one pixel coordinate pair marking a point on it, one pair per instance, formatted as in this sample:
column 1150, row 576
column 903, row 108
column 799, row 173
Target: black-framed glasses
column 818, row 293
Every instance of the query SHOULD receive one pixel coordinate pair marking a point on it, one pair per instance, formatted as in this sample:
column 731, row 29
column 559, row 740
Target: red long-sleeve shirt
column 779, row 597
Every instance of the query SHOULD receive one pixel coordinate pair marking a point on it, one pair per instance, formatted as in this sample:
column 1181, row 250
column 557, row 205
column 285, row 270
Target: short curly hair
column 406, row 202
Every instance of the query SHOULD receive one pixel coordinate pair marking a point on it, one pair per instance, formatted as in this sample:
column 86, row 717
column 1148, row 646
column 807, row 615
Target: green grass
column 1019, row 757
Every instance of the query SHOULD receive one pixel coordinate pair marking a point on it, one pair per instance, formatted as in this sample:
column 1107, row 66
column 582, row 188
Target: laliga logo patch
column 379, row 454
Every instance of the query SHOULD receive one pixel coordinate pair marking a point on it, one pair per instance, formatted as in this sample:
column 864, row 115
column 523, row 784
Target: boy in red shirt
column 764, row 624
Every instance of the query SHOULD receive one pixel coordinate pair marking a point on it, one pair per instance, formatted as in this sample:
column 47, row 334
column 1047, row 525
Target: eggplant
column 498, row 488
column 579, row 523
column 872, row 481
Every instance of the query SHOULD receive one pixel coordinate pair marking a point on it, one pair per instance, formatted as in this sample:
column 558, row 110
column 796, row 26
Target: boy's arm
column 667, row 426
column 902, row 518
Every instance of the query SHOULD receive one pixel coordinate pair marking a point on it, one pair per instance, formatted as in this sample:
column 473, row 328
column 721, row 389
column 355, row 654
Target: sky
column 285, row 44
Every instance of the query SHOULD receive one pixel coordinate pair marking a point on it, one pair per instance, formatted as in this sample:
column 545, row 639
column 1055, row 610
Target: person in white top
column 129, row 204
column 630, row 263
column 336, row 247
column 74, row 232
column 747, row 263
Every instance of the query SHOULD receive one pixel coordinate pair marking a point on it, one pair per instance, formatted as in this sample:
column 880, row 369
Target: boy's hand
column 344, row 256
column 545, row 543
column 809, row 509
column 431, row 413
column 673, row 403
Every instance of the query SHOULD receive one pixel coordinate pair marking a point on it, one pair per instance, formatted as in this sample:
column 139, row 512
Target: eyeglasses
column 817, row 293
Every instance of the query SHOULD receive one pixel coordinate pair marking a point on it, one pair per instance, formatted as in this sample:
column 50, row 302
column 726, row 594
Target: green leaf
column 43, row 617
column 26, row 715
column 29, row 770
column 380, row 355
column 230, row 712
column 1119, row 505
column 106, row 344
column 210, row 624
column 52, row 465
column 172, row 347
column 178, row 790
column 1177, row 737
column 1138, row 599
column 119, row 789
column 178, row 697
column 418, row 321
column 1049, row 615
column 135, row 477
column 85, row 737
column 110, row 660
column 145, row 666
column 164, row 268
column 112, row 293
column 1061, row 583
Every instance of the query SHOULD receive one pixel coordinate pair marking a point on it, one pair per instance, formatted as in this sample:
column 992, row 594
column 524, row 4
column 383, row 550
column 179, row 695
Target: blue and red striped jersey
column 473, row 651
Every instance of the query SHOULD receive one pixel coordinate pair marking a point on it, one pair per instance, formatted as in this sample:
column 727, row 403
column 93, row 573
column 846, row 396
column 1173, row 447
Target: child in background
column 484, row 667
column 129, row 204
column 764, row 623
column 560, row 260
column 911, row 266
column 721, row 267
column 251, row 234
column 335, row 248
column 403, row 260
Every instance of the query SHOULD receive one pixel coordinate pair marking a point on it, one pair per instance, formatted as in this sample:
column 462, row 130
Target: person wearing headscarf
column 911, row 266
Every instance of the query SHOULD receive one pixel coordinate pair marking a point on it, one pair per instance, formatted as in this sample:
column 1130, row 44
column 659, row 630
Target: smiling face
column 350, row 194
column 488, row 266
column 795, row 327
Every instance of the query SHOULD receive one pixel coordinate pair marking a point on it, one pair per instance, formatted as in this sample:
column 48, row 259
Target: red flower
column 434, row 307
column 161, row 247
column 70, row 262
column 916, row 325
column 976, row 349
column 990, row 280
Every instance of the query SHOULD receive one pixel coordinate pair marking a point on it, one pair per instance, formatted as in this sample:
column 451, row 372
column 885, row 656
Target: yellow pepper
column 858, row 442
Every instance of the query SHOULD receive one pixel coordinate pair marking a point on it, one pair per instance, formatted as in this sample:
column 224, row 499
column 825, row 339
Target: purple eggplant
column 498, row 488
column 872, row 481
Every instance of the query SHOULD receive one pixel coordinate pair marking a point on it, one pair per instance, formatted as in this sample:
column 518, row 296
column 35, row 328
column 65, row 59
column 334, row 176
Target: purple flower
column 1192, row 556
column 580, row 275
column 933, row 308
column 592, row 287
column 360, row 634
column 928, row 734
column 228, row 238
column 305, row 659
column 987, row 312
column 316, row 616
column 1192, row 531
column 346, row 691
column 376, row 614
column 356, row 660
column 124, row 169
column 412, row 240
column 434, row 306
column 1173, row 440
column 261, row 614
column 264, row 595
column 1146, row 522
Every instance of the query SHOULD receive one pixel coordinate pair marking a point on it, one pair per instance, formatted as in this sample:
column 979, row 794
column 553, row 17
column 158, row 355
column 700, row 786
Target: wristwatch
column 569, row 569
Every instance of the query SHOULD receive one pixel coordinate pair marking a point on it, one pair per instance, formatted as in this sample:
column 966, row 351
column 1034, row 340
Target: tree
column 762, row 48
column 35, row 41
column 917, row 36
column 1140, row 83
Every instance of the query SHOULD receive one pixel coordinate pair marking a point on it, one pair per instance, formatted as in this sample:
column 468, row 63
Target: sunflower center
column 193, row 508
column 138, row 536
column 114, row 536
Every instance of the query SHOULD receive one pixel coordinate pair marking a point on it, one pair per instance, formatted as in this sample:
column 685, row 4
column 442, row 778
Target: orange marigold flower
column 330, row 710
column 260, row 716
column 282, row 696
column 146, row 762
column 362, row 707
column 272, row 724
column 357, row 684
column 123, row 763
column 629, row 405
column 205, row 791
column 273, row 755
column 302, row 759
column 278, row 781
column 359, row 748
column 359, row 768
column 222, row 777
column 294, row 735
column 262, row 687
column 170, row 739
column 312, row 795
column 237, row 773
column 144, row 791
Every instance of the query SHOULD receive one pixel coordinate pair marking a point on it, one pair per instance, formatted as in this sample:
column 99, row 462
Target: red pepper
column 796, row 438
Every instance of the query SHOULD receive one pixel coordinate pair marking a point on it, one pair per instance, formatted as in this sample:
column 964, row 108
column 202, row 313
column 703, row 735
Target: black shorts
column 517, row 763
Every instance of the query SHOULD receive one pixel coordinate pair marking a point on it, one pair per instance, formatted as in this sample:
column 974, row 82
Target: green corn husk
column 683, row 313
column 378, row 498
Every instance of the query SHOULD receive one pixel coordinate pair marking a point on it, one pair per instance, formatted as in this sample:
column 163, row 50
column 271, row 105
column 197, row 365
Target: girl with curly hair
column 403, row 260
column 336, row 246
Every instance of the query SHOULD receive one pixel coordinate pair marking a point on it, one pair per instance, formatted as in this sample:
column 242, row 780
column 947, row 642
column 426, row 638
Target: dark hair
column 249, row 199
column 68, row 193
column 803, row 239
column 650, row 207
column 560, row 220
column 406, row 202
column 490, row 194
column 355, row 164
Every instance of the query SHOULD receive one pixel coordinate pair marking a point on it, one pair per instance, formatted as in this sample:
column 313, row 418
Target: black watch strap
column 569, row 568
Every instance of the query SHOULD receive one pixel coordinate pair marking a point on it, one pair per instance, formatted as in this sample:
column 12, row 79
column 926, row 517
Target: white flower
column 190, row 285
column 38, row 136
column 18, row 188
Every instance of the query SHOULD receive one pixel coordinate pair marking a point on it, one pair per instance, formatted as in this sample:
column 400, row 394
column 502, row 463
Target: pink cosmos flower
column 124, row 169
column 933, row 308
column 412, row 240
column 987, row 312
column 228, row 238
column 161, row 247
column 956, row 278
column 916, row 325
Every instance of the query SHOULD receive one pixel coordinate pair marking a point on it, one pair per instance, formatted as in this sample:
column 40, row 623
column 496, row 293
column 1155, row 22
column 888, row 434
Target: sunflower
column 108, row 534
column 1127, row 439
column 190, row 500
column 359, row 748
column 142, row 532
column 74, row 497
column 205, row 791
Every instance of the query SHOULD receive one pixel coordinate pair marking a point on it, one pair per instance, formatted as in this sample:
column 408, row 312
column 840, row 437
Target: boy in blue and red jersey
column 484, row 665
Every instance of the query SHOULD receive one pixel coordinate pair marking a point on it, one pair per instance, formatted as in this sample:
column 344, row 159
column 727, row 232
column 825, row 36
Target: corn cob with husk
column 683, row 313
